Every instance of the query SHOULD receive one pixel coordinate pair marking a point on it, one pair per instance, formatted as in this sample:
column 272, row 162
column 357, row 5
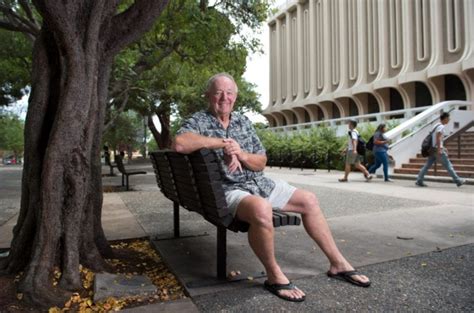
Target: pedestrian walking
column 352, row 157
column 439, row 153
column 380, row 151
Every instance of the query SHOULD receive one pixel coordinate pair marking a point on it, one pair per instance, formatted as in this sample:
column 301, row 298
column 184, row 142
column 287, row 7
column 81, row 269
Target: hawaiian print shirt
column 241, row 130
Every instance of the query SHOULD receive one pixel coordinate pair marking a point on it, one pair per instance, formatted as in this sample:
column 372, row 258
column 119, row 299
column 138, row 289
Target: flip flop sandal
column 275, row 288
column 347, row 277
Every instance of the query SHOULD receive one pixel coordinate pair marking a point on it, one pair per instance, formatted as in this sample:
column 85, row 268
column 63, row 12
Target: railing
column 457, row 136
column 407, row 137
column 379, row 117
column 424, row 118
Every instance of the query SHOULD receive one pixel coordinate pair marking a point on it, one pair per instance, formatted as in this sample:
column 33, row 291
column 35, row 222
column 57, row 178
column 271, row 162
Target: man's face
column 222, row 96
column 445, row 121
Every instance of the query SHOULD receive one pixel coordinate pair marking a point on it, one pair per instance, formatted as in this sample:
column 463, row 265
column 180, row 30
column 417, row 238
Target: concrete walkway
column 416, row 244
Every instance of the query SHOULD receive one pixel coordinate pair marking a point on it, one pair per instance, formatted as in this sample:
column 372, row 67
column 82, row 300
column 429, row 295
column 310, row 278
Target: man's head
column 221, row 92
column 444, row 118
column 352, row 124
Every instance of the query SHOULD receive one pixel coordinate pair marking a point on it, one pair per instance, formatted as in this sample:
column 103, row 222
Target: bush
column 309, row 148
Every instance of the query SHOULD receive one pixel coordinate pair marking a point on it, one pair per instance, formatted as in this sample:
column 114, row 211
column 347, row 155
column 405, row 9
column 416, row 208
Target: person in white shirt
column 439, row 153
column 352, row 157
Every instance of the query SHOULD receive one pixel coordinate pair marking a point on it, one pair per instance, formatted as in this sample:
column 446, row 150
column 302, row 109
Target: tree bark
column 60, row 217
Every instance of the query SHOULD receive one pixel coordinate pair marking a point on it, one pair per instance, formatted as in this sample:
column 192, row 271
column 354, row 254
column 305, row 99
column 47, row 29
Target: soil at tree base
column 133, row 257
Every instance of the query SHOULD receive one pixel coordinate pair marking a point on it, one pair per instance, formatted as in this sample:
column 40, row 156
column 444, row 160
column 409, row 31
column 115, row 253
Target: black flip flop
column 347, row 276
column 274, row 288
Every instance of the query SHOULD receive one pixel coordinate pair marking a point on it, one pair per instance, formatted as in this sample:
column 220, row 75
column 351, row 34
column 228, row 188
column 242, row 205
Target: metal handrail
column 427, row 113
column 458, row 135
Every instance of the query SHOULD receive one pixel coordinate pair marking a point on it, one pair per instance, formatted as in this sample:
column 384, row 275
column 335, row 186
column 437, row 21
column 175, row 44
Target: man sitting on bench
column 250, row 194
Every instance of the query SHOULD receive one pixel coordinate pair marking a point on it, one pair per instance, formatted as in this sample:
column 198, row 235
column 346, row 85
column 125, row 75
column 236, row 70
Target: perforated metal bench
column 194, row 182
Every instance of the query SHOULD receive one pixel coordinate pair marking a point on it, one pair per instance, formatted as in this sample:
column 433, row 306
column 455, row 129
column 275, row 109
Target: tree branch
column 119, row 111
column 17, row 23
column 141, row 15
column 29, row 13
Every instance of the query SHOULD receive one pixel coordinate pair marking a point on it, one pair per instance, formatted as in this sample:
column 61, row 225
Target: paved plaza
column 416, row 244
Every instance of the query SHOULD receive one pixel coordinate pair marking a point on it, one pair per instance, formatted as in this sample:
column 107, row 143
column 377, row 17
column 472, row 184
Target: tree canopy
column 166, row 71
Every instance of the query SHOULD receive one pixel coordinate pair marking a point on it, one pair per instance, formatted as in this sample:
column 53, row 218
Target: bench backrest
column 119, row 162
column 195, row 182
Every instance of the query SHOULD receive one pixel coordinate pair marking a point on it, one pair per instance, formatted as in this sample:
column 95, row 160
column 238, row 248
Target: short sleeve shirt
column 241, row 130
column 380, row 137
column 353, row 135
column 438, row 129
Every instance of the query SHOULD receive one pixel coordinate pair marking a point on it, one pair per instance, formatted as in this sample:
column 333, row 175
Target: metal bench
column 125, row 173
column 194, row 182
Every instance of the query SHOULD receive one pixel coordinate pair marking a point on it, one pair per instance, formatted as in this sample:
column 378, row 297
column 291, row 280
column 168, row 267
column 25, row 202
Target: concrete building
column 340, row 58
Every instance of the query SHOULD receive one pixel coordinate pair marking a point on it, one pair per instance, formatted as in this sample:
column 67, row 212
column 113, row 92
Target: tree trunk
column 61, row 204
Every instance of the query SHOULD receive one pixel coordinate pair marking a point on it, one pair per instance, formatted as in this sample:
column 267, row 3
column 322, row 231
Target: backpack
column 361, row 147
column 427, row 144
column 370, row 143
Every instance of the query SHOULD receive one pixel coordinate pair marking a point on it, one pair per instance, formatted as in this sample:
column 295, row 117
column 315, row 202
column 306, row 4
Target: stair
column 463, row 164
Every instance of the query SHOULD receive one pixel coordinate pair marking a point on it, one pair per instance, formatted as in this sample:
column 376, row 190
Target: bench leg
column 221, row 252
column 111, row 171
column 126, row 182
column 123, row 180
column 176, row 219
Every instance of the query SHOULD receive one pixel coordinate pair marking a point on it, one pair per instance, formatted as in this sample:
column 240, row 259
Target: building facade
column 340, row 58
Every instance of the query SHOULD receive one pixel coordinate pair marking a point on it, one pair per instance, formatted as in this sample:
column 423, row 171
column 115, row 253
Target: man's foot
column 345, row 269
column 288, row 292
column 349, row 276
column 368, row 177
column 421, row 184
column 343, row 180
column 461, row 182
column 388, row 180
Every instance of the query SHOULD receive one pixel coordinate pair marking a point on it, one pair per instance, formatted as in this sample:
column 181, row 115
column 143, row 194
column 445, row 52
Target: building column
column 312, row 50
column 278, row 62
column 289, row 70
column 300, row 39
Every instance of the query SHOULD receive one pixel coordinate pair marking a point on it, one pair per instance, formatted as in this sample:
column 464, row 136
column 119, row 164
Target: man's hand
column 232, row 163
column 232, row 147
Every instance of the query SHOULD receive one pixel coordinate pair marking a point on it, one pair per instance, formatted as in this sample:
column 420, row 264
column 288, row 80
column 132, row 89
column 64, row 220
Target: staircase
column 463, row 162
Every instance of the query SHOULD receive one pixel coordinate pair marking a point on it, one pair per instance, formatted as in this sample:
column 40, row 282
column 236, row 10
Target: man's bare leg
column 316, row 226
column 347, row 170
column 362, row 169
column 258, row 213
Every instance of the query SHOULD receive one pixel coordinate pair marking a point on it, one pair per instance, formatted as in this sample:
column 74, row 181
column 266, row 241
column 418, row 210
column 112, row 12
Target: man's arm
column 252, row 161
column 189, row 142
column 354, row 144
column 439, row 135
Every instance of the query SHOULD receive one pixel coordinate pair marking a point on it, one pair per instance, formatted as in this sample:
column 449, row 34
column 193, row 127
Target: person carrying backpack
column 352, row 155
column 439, row 153
column 380, row 148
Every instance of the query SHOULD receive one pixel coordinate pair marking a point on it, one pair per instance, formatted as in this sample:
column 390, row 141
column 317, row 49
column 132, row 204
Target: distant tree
column 15, row 66
column 127, row 133
column 11, row 134
column 59, row 224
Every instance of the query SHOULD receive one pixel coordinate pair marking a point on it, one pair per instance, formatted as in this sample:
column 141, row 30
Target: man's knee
column 255, row 211
column 304, row 202
column 310, row 202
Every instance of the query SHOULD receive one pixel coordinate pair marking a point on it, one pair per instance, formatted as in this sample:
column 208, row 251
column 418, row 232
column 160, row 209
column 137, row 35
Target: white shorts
column 278, row 198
